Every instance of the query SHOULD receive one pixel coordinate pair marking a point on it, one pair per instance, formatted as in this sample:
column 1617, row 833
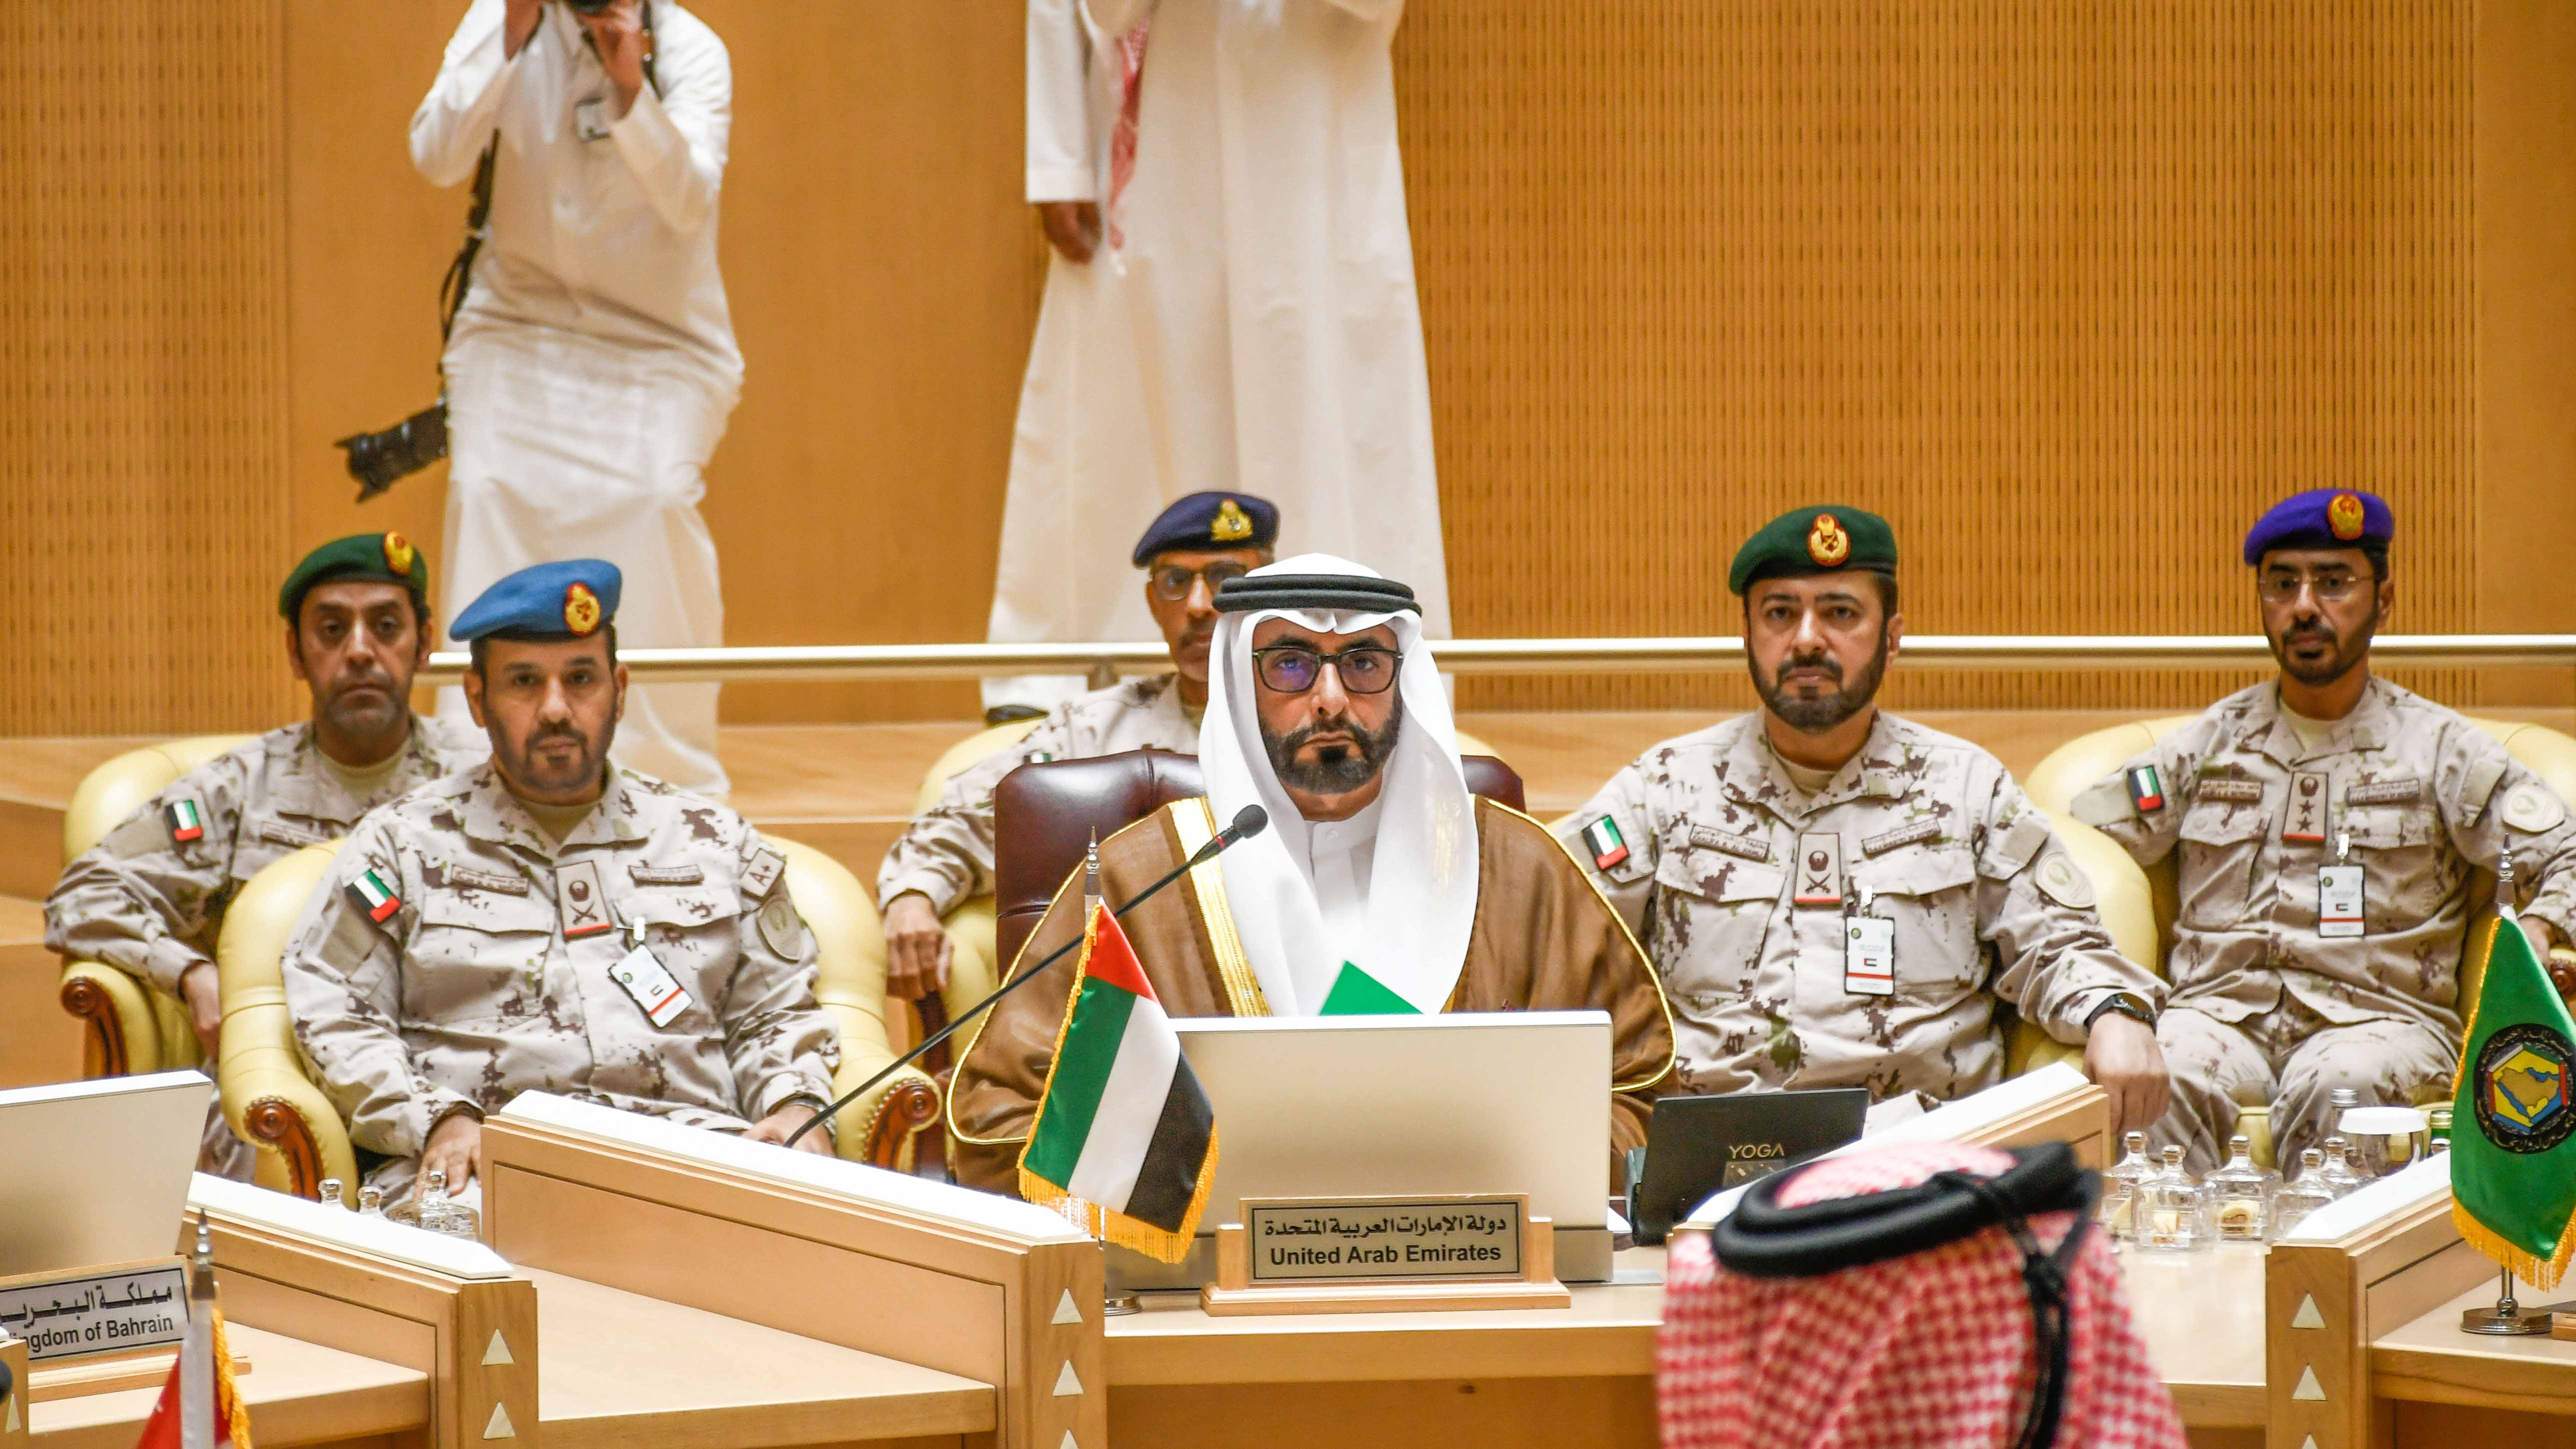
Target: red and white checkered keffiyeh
column 1936, row 1348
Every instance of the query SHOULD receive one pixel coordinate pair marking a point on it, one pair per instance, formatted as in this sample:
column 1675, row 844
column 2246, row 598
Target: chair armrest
column 274, row 1106
column 269, row 1101
column 2027, row 1049
column 123, row 1032
column 878, row 1127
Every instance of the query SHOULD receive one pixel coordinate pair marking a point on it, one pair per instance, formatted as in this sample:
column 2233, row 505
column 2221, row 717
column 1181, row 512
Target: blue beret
column 548, row 601
column 1209, row 521
column 2322, row 518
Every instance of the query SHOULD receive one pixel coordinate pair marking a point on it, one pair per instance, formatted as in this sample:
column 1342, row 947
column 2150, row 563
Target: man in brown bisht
column 1381, row 884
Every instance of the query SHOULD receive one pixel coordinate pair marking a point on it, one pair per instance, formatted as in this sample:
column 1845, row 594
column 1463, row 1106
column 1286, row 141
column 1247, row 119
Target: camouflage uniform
column 469, row 992
column 947, row 852
column 151, row 905
column 2261, row 1002
column 1987, row 906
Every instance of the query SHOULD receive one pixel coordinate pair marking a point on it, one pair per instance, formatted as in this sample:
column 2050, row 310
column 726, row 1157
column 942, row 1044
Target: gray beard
column 1344, row 770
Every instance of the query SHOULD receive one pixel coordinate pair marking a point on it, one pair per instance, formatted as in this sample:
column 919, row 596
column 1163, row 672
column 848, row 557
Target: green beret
column 1825, row 539
column 383, row 558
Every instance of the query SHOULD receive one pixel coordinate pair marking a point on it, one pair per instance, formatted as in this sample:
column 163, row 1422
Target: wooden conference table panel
column 2442, row 1388
column 1582, row 1375
column 299, row 1393
column 621, row 1368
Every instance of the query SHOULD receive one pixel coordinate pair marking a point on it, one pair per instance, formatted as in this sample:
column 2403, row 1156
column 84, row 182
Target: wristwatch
column 816, row 1105
column 2128, row 1004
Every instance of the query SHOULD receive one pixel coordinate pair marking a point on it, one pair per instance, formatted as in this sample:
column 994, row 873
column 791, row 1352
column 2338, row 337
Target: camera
column 589, row 7
column 381, row 459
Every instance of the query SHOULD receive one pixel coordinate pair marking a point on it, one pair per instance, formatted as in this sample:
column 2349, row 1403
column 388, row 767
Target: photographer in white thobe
column 592, row 366
column 1230, row 304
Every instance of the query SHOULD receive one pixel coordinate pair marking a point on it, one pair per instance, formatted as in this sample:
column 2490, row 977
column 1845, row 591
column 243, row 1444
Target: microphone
column 1249, row 821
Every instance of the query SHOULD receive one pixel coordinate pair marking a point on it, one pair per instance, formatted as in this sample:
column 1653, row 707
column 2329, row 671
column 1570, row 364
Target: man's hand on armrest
column 201, row 991
column 917, row 948
column 2123, row 1059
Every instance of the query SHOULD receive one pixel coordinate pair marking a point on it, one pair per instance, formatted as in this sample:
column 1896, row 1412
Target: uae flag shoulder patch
column 374, row 896
column 1608, row 846
column 2146, row 789
column 186, row 821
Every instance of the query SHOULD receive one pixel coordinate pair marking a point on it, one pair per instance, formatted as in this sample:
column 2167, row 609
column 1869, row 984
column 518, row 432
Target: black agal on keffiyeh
column 1356, row 593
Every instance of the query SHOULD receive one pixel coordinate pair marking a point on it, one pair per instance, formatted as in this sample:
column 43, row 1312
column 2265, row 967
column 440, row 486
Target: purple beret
column 2321, row 518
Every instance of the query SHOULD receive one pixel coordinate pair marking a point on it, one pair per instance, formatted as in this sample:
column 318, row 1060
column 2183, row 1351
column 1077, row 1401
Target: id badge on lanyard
column 2340, row 892
column 643, row 976
column 1869, row 951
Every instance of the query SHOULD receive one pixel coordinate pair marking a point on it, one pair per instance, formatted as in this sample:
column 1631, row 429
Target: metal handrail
column 887, row 663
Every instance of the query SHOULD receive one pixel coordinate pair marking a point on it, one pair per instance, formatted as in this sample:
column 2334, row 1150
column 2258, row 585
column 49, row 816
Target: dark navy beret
column 547, row 601
column 1204, row 522
column 2322, row 518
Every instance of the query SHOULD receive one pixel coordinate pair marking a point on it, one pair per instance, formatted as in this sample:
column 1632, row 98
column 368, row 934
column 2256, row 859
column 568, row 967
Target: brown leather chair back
column 1044, row 814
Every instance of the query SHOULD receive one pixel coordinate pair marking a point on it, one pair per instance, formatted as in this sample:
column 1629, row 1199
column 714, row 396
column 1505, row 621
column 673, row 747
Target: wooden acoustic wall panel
column 142, row 366
column 2068, row 290
column 884, row 275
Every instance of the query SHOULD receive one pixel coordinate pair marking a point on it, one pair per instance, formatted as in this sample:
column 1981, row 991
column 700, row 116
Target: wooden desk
column 1582, row 1375
column 2201, row 1315
column 2521, row 1382
column 298, row 1393
column 1577, row 1376
column 714, row 1292
column 621, row 1368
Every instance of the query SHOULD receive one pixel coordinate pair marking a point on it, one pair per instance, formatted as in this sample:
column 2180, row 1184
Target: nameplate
column 1307, row 1240
column 1384, row 1255
column 97, row 1310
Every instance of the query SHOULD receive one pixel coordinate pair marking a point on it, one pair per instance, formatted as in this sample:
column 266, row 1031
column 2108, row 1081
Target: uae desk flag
column 1123, row 1130
column 2513, row 1128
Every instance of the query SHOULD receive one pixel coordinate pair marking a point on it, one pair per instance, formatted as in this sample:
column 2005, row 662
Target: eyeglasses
column 2331, row 586
column 1172, row 581
column 1294, row 668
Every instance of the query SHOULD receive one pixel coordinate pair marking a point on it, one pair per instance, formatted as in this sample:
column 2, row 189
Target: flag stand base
column 2507, row 1319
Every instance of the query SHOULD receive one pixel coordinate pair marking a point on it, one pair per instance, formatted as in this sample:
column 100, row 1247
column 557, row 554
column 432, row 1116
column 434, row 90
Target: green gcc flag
column 2513, row 1129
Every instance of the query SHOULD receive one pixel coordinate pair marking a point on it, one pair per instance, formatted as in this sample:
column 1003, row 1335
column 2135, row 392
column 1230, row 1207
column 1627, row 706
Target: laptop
column 97, row 1171
column 1696, row 1146
column 1354, row 1106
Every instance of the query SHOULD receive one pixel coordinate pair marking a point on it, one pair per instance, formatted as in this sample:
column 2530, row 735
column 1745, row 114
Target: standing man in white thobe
column 593, row 366
column 1231, row 304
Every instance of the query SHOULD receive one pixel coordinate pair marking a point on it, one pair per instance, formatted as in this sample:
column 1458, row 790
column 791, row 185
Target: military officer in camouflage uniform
column 1837, row 897
column 150, row 898
column 546, row 921
column 2325, row 827
column 946, row 854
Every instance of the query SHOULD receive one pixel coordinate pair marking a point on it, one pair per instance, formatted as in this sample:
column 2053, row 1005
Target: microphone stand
column 1205, row 853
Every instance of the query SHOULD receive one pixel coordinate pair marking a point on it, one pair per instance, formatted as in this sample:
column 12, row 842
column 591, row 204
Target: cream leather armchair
column 272, row 1102
column 2139, row 904
column 127, row 1025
